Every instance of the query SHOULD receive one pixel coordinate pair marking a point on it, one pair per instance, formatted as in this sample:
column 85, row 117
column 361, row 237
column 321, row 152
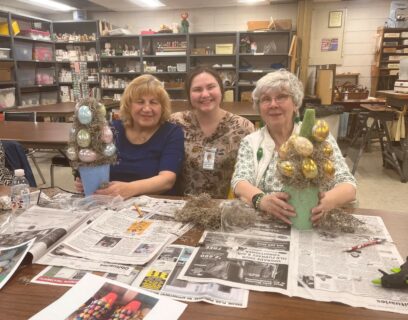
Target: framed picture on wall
column 335, row 19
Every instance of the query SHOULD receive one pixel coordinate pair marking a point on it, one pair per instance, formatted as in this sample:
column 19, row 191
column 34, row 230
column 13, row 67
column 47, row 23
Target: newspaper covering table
column 309, row 264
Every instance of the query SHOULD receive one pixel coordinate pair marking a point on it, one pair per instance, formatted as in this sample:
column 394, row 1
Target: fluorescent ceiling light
column 250, row 1
column 50, row 4
column 148, row 3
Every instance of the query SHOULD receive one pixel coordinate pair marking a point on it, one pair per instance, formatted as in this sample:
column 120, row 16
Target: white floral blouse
column 262, row 173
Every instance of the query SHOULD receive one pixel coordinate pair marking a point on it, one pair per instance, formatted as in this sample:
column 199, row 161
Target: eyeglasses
column 280, row 98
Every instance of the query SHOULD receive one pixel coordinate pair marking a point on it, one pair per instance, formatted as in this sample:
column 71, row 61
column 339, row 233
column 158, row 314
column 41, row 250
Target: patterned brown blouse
column 6, row 177
column 223, row 143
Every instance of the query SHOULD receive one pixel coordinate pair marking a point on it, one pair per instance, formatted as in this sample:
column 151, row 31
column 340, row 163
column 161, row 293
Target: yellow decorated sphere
column 327, row 149
column 286, row 168
column 284, row 151
column 309, row 168
column 320, row 130
column 291, row 140
column 303, row 146
column 328, row 168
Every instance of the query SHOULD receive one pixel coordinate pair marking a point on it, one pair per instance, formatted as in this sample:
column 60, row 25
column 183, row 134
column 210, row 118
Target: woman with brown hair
column 211, row 136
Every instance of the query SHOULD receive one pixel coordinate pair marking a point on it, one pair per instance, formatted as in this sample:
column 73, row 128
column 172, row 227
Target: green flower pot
column 303, row 200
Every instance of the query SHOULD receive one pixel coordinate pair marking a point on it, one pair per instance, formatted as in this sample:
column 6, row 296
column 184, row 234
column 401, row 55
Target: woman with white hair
column 278, row 97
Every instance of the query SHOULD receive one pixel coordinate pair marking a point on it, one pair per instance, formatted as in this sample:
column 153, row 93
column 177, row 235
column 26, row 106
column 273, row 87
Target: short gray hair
column 281, row 80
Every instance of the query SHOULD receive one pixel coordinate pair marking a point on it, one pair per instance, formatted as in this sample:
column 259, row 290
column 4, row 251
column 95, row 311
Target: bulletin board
column 327, row 33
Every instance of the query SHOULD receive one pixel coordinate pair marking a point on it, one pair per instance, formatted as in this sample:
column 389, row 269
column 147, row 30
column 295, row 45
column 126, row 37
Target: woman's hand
column 117, row 188
column 277, row 205
column 78, row 185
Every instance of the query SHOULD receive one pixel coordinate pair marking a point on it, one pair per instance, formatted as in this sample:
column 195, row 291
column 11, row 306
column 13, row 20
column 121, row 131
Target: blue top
column 164, row 151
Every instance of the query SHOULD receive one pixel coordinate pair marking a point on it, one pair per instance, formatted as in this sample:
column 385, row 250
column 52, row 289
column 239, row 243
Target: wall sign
column 335, row 19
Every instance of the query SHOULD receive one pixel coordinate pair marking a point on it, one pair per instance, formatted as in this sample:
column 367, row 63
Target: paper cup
column 93, row 177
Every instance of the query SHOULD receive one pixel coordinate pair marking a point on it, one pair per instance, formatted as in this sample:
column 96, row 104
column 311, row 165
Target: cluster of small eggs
column 300, row 157
column 98, row 308
column 127, row 312
column 87, row 149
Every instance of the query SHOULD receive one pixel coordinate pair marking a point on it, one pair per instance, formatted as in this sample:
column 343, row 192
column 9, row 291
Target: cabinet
column 77, row 51
column 392, row 46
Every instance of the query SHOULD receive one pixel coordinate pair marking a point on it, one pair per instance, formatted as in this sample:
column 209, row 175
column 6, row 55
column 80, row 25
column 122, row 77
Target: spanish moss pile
column 338, row 220
column 202, row 211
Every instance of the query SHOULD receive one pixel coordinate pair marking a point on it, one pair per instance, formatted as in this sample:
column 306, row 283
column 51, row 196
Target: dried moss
column 202, row 211
column 338, row 220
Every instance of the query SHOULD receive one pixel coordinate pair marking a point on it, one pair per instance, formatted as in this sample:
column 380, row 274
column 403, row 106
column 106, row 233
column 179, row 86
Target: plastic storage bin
column 23, row 50
column 7, row 98
column 224, row 48
column 45, row 76
column 30, row 99
column 48, row 97
column 43, row 52
column 4, row 53
column 26, row 76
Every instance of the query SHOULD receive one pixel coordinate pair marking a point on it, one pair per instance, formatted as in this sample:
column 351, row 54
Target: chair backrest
column 29, row 116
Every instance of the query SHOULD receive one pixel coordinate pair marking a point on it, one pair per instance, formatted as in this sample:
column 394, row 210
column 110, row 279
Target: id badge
column 209, row 158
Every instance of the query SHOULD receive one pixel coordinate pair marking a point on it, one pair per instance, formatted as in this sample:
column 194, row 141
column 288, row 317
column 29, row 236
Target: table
column 395, row 99
column 351, row 104
column 36, row 135
column 19, row 300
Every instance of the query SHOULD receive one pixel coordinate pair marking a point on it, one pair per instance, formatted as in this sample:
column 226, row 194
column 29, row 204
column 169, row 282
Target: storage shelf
column 119, row 73
column 36, row 61
column 65, row 62
column 39, row 86
column 75, row 42
column 119, row 57
column 7, row 83
column 32, row 40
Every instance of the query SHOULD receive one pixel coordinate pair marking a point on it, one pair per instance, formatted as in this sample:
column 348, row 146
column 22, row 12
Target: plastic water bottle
column 20, row 191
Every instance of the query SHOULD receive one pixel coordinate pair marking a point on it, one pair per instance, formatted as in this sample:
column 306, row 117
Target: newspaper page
column 123, row 237
column 327, row 272
column 62, row 276
column 242, row 261
column 95, row 296
column 310, row 264
column 161, row 277
column 46, row 225
column 11, row 258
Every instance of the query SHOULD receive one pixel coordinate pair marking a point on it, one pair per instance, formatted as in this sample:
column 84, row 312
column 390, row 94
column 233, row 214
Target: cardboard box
column 198, row 51
column 224, row 48
column 281, row 24
column 5, row 31
column 257, row 25
column 5, row 71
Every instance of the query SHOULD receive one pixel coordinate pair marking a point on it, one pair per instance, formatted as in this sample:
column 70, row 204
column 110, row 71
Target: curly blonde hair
column 145, row 85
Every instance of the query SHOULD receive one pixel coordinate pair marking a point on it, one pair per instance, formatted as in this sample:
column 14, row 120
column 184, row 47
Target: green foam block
column 303, row 200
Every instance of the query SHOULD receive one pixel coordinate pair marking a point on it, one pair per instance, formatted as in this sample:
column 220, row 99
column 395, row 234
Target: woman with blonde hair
column 150, row 149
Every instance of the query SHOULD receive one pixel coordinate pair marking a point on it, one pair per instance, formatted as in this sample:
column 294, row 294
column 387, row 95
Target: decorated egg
column 71, row 153
column 286, row 168
column 328, row 168
column 87, row 155
column 292, row 139
column 83, row 138
column 84, row 115
column 109, row 150
column 303, row 146
column 309, row 168
column 284, row 151
column 327, row 149
column 320, row 130
column 102, row 110
column 106, row 134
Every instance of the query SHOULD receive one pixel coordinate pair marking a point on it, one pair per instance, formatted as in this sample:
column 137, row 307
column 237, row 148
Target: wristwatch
column 256, row 200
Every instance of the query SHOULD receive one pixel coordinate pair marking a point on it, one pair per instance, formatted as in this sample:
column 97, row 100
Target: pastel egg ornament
column 109, row 150
column 284, row 151
column 72, row 134
column 71, row 154
column 309, row 168
column 83, row 138
column 106, row 135
column 101, row 110
column 320, row 130
column 303, row 146
column 84, row 115
column 87, row 155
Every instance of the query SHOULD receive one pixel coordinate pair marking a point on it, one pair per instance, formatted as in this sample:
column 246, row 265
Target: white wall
column 201, row 20
column 361, row 23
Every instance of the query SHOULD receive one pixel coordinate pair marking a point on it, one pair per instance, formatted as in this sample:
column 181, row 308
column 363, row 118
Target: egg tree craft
column 90, row 148
column 305, row 163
